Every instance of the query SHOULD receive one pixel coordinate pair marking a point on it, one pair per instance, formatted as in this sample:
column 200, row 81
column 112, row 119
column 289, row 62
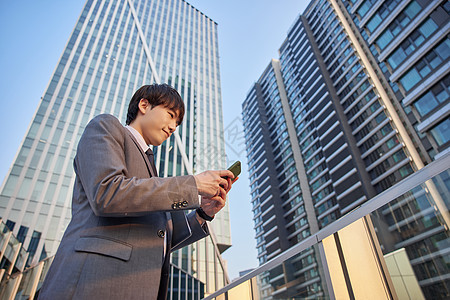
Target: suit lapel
column 147, row 162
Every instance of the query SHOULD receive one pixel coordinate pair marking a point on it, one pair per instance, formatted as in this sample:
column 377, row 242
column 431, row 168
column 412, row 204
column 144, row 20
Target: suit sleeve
column 101, row 166
column 197, row 231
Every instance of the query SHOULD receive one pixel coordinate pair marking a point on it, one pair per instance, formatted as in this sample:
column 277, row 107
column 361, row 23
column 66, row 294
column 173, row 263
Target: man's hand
column 211, row 206
column 213, row 183
column 218, row 181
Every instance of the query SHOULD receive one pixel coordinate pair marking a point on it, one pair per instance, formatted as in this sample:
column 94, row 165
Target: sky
column 33, row 35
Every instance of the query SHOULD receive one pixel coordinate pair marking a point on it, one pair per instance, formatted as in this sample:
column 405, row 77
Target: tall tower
column 357, row 101
column 116, row 47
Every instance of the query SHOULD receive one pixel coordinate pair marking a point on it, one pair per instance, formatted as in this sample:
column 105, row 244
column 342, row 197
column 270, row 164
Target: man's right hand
column 212, row 183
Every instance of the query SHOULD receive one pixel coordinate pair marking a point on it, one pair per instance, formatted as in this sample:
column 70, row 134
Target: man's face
column 158, row 124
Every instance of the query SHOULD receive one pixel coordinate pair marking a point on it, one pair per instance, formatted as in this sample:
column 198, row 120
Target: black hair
column 156, row 94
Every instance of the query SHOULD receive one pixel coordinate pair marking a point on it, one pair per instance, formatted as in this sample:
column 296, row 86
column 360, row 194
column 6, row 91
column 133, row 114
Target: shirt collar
column 139, row 138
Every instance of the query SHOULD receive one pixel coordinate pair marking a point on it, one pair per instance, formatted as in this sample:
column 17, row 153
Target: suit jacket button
column 161, row 233
column 184, row 203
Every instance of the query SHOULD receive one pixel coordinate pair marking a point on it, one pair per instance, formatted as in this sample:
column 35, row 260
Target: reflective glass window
column 426, row 103
column 414, row 40
column 426, row 65
column 410, row 79
column 441, row 132
column 364, row 8
column 374, row 22
column 398, row 24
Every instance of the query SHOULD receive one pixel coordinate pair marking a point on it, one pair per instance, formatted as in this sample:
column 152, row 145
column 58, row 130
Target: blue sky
column 33, row 35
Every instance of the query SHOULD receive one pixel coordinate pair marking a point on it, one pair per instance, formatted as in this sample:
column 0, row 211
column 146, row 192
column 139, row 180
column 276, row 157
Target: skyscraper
column 357, row 101
column 116, row 47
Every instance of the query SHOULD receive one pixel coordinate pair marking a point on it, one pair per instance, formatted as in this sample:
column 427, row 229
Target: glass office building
column 116, row 47
column 358, row 101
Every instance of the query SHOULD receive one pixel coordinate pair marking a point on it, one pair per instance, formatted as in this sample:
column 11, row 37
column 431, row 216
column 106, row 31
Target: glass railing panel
column 413, row 234
column 12, row 247
column 354, row 264
column 299, row 277
column 395, row 246
column 10, row 253
column 47, row 263
column 247, row 290
column 28, row 284
column 400, row 250
column 9, row 286
column 3, row 234
column 21, row 260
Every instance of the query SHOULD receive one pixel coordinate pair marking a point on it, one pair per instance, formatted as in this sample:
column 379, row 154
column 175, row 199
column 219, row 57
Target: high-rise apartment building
column 358, row 100
column 116, row 47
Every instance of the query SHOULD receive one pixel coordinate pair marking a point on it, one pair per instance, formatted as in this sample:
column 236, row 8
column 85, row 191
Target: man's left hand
column 211, row 206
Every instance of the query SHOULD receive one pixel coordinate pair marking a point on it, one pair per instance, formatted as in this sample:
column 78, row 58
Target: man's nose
column 172, row 126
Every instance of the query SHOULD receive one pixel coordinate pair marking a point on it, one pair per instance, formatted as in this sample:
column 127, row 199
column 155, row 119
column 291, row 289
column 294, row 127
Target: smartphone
column 235, row 168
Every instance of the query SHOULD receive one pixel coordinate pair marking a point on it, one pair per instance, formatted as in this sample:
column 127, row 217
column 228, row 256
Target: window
column 10, row 185
column 405, row 171
column 374, row 22
column 423, row 67
column 414, row 40
column 438, row 94
column 398, row 25
column 410, row 79
column 320, row 181
column 380, row 117
column 392, row 142
column 323, row 193
column 441, row 133
column 399, row 55
column 381, row 14
column 365, row 7
column 398, row 156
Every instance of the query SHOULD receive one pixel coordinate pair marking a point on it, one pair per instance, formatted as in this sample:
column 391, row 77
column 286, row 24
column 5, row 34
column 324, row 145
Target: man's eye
column 171, row 114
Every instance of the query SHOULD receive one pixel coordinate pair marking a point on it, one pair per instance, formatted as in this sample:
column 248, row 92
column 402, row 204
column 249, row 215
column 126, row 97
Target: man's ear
column 143, row 105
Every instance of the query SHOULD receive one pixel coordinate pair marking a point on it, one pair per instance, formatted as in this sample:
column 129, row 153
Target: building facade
column 116, row 47
column 357, row 101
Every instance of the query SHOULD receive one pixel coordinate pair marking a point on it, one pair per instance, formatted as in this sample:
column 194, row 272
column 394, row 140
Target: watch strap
column 203, row 215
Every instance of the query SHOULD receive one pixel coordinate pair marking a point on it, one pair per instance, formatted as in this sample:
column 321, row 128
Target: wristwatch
column 203, row 215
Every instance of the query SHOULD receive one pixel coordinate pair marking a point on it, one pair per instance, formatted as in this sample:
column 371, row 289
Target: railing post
column 36, row 276
column 326, row 271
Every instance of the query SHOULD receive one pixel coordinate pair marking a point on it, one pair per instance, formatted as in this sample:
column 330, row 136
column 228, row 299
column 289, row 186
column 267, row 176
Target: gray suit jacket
column 113, row 247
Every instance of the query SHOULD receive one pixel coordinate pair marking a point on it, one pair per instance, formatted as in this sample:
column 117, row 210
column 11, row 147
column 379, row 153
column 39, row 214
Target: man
column 125, row 219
